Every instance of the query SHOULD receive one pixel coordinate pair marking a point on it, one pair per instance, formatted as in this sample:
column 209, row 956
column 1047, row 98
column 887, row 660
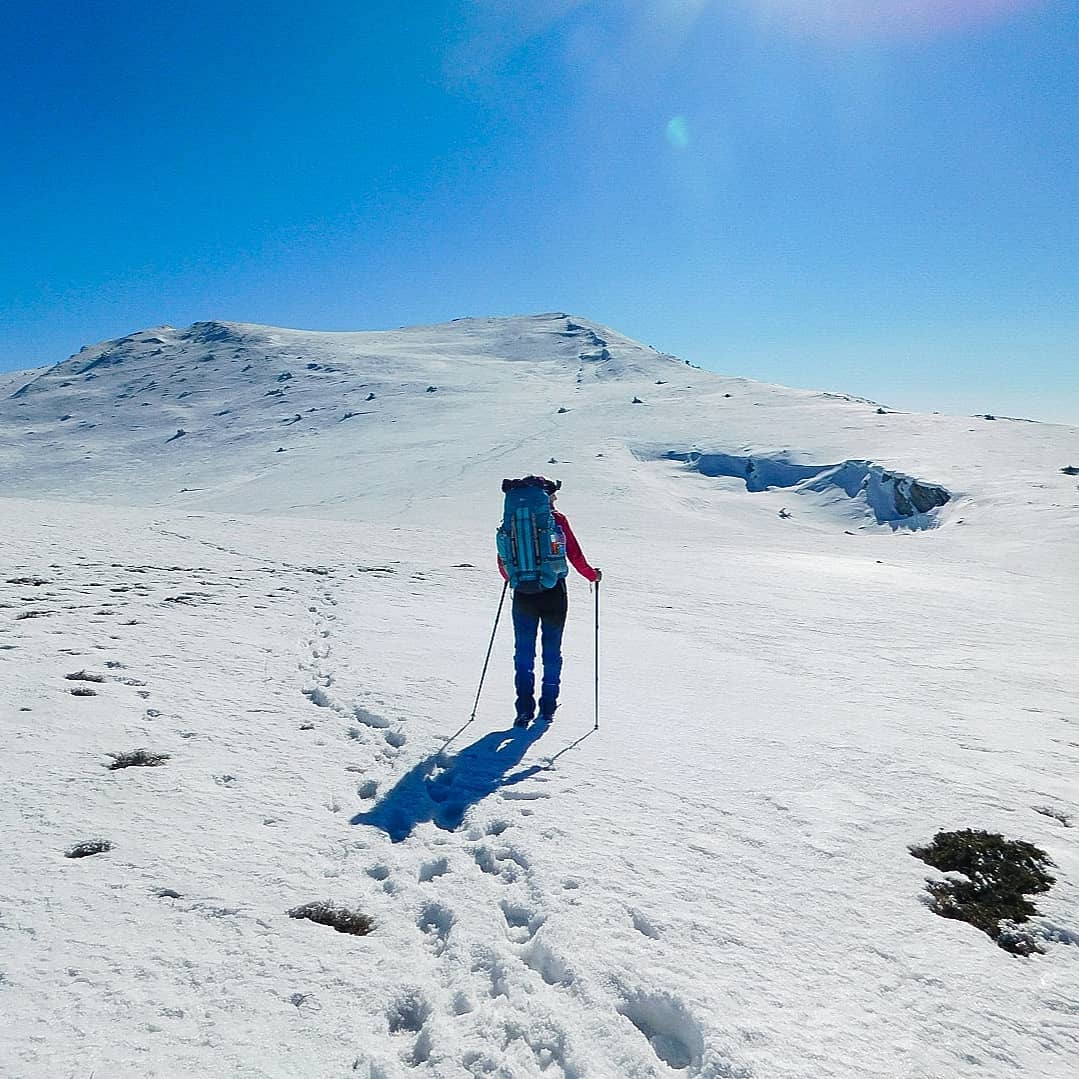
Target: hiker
column 537, row 570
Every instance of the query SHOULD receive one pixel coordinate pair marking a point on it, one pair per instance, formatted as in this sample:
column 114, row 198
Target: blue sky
column 879, row 198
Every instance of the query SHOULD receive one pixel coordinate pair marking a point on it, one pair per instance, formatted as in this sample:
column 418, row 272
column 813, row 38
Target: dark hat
column 550, row 486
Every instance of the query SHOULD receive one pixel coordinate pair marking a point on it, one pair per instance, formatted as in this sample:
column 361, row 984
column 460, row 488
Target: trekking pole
column 596, row 727
column 487, row 659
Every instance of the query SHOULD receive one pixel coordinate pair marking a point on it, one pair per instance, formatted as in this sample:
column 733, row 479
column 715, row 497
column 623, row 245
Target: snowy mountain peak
column 546, row 338
column 229, row 413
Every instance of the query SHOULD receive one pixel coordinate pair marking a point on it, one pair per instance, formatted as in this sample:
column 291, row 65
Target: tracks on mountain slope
column 492, row 929
column 497, row 955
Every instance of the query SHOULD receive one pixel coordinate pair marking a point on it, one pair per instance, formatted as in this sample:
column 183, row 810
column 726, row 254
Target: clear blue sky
column 880, row 198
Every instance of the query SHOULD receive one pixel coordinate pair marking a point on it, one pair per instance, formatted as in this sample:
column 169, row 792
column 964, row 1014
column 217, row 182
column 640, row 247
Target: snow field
column 715, row 883
column 716, row 876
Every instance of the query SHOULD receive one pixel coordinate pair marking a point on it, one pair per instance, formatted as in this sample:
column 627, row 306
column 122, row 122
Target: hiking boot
column 546, row 712
column 523, row 719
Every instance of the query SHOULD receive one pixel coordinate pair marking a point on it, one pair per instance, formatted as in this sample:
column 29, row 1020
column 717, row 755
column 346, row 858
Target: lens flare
column 678, row 132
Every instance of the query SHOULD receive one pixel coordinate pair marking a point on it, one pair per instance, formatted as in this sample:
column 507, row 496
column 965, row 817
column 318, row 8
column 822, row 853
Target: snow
column 716, row 882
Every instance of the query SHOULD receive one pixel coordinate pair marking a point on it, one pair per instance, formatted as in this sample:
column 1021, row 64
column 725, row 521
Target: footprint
column 551, row 968
column 378, row 872
column 317, row 696
column 522, row 924
column 492, row 828
column 674, row 1035
column 434, row 868
column 643, row 925
column 436, row 922
column 408, row 1012
column 506, row 863
column 484, row 961
column 369, row 718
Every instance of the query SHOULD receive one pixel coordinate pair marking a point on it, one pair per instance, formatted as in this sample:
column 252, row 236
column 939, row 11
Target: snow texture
column 828, row 631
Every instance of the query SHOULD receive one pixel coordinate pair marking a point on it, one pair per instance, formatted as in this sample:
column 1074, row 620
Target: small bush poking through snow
column 84, row 676
column 137, row 758
column 996, row 876
column 339, row 917
column 1056, row 814
column 91, row 846
column 83, row 691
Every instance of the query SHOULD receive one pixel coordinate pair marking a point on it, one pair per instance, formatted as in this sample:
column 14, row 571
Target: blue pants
column 526, row 623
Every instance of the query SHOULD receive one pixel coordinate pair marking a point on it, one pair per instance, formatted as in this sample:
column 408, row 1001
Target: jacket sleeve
column 574, row 552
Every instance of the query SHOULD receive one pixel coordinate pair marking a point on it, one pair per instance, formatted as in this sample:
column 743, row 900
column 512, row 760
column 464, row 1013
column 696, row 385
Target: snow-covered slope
column 827, row 631
column 239, row 416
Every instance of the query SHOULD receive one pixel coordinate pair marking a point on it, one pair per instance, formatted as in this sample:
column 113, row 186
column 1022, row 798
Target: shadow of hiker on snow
column 442, row 789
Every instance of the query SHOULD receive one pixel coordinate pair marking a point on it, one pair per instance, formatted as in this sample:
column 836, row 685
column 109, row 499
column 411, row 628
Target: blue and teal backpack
column 530, row 543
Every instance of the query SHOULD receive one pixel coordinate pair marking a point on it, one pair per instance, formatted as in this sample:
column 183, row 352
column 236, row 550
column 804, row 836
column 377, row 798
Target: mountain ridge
column 232, row 414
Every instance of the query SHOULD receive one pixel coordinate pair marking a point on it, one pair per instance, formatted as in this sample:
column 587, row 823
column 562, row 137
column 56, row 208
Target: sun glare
column 885, row 18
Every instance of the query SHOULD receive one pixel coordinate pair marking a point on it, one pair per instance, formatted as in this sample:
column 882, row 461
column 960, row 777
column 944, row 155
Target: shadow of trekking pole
column 572, row 745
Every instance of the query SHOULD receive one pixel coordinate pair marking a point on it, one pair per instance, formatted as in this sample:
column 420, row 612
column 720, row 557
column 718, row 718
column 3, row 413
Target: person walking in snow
column 535, row 542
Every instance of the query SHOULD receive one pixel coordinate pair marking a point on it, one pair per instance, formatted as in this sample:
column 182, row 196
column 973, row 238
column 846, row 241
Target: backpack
column 530, row 543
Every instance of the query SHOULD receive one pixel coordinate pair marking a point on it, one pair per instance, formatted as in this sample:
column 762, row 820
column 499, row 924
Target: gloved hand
column 599, row 574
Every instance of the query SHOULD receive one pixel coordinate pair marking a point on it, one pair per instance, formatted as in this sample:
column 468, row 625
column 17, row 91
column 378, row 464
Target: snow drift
column 891, row 497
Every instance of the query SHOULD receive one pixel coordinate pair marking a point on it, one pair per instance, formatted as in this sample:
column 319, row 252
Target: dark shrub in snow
column 332, row 914
column 91, row 846
column 84, row 676
column 137, row 758
column 999, row 874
